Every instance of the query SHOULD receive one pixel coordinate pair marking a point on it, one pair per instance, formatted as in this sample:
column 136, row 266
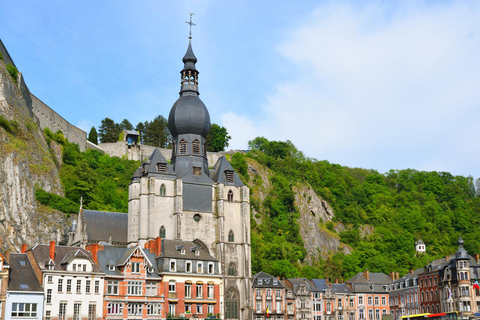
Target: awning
column 436, row 315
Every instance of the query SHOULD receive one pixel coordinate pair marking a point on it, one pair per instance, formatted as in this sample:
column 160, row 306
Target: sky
column 373, row 84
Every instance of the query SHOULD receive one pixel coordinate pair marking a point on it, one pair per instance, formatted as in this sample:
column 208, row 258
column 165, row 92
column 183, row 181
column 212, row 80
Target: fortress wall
column 47, row 117
column 6, row 55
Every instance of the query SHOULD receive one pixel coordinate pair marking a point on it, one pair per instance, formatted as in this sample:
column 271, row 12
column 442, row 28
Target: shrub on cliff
column 56, row 202
column 13, row 71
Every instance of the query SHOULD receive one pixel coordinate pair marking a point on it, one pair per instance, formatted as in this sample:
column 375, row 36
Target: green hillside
column 400, row 207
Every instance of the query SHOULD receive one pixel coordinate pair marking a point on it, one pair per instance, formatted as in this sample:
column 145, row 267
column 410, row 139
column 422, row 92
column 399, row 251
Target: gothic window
column 231, row 237
column 162, row 232
column 230, row 195
column 163, row 190
column 231, row 304
column 229, row 176
column 183, row 147
column 231, row 269
column 204, row 149
column 197, row 171
column 162, row 167
column 196, row 147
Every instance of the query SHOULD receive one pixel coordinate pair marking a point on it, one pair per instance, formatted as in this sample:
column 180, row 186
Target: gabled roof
column 63, row 255
column 266, row 281
column 129, row 252
column 320, row 284
column 375, row 283
column 118, row 256
column 218, row 173
column 297, row 282
column 341, row 288
column 22, row 277
column 172, row 249
column 151, row 165
column 106, row 226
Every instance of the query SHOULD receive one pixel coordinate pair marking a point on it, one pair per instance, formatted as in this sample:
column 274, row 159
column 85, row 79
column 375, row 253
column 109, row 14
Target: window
column 163, row 190
column 377, row 314
column 188, row 290
column 92, row 311
column 370, row 314
column 174, row 148
column 278, row 306
column 161, row 167
column 188, row 266
column 204, row 149
column 230, row 196
column 171, row 309
column 231, row 271
column 210, row 291
column 154, row 309
column 209, row 309
column 231, row 237
column 112, row 287
column 48, row 315
column 199, row 290
column 199, row 267
column 87, row 286
column 196, row 147
column 211, row 268
column 162, row 232
column 151, row 289
column 360, row 300
column 384, row 301
column 197, row 171
column 50, row 279
column 376, row 301
column 79, row 286
column 329, row 307
column 369, row 299
column 361, row 315
column 199, row 308
column 134, row 288
column 135, row 267
column 171, row 286
column 352, row 302
column 49, row 296
column 97, row 286
column 84, row 268
column 115, row 308
column 76, row 310
column 74, row 267
column 183, row 147
column 134, row 309
column 268, row 293
column 229, row 176
column 278, row 294
column 259, row 306
column 173, row 265
column 188, row 308
column 69, row 285
column 62, row 310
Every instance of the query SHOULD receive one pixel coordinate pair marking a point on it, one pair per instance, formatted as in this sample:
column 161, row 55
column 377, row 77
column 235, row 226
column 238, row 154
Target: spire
column 189, row 73
column 461, row 252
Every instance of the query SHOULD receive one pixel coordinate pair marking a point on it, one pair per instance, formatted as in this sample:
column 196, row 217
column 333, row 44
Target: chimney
column 477, row 258
column 24, row 248
column 146, row 245
column 7, row 255
column 411, row 271
column 327, row 282
column 366, row 274
column 336, row 280
column 94, row 252
column 52, row 250
column 397, row 275
column 392, row 275
column 158, row 246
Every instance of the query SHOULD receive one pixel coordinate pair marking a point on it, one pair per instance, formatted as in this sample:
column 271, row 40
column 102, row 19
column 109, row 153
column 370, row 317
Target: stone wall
column 47, row 117
column 6, row 55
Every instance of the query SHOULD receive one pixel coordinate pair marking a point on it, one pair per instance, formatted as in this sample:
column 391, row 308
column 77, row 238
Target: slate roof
column 100, row 225
column 267, row 281
column 218, row 172
column 118, row 256
column 320, row 284
column 172, row 249
column 63, row 254
column 375, row 283
column 296, row 282
column 341, row 288
column 21, row 276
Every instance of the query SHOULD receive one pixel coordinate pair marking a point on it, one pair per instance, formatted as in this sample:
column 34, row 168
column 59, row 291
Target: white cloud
column 382, row 90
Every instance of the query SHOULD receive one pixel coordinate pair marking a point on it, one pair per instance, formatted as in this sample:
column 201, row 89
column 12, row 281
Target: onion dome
column 461, row 252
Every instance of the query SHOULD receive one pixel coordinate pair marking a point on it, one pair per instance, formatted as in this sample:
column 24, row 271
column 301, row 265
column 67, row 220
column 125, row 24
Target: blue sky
column 373, row 84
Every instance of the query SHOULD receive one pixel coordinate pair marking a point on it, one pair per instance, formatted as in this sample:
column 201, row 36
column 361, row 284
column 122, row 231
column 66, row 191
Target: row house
column 403, row 294
column 270, row 298
column 301, row 288
column 371, row 294
column 71, row 280
column 4, row 266
column 345, row 301
column 429, row 287
column 332, row 301
column 25, row 295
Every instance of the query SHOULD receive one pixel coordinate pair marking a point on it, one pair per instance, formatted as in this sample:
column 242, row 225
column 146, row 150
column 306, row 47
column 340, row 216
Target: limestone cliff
column 26, row 162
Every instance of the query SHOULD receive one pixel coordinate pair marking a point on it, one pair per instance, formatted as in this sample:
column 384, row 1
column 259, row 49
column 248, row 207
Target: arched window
column 162, row 232
column 183, row 147
column 231, row 304
column 163, row 189
column 231, row 237
column 230, row 195
column 231, row 269
column 196, row 147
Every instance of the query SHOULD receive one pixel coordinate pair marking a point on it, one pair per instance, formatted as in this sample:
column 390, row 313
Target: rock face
column 315, row 211
column 26, row 162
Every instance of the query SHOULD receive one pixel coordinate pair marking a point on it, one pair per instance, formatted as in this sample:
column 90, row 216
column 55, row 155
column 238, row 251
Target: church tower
column 187, row 200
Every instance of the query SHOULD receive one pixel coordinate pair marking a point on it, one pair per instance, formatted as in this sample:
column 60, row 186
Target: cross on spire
column 191, row 24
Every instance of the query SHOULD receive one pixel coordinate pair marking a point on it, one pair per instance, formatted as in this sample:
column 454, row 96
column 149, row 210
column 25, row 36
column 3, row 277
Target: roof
column 297, row 282
column 118, row 256
column 341, row 288
column 63, row 255
column 218, row 172
column 150, row 167
column 132, row 132
column 375, row 284
column 265, row 280
column 106, row 226
column 320, row 284
column 22, row 277
column 173, row 249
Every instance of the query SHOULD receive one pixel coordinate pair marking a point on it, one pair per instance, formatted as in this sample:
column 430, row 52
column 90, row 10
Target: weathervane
column 191, row 24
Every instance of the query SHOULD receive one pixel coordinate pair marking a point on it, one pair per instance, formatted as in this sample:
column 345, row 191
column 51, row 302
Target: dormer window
column 135, row 267
column 196, row 147
column 111, row 268
column 197, row 171
column 151, row 270
column 173, row 265
column 205, row 150
column 229, row 176
column 197, row 252
column 182, row 251
column 275, row 282
column 183, row 147
column 260, row 282
column 162, row 167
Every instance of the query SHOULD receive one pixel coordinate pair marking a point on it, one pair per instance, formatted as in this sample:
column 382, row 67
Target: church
column 184, row 200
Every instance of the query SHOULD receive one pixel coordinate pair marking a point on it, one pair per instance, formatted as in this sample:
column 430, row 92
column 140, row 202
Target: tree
column 108, row 131
column 93, row 136
column 126, row 125
column 217, row 138
column 157, row 133
column 140, row 128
